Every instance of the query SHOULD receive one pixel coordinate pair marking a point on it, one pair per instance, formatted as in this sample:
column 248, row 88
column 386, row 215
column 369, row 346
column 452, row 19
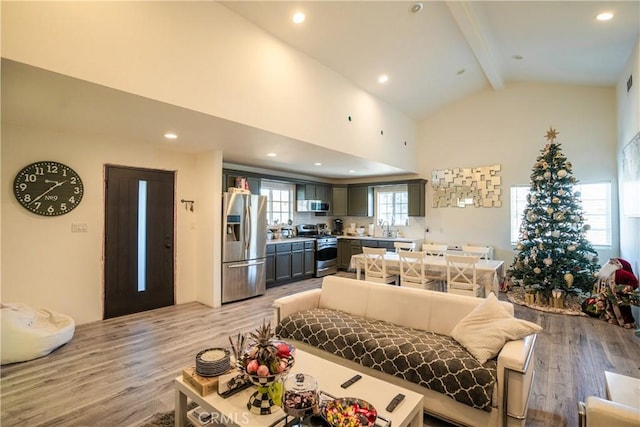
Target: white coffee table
column 329, row 376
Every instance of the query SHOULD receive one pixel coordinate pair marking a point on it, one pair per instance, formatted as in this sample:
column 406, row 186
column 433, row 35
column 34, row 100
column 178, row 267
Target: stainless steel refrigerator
column 244, row 246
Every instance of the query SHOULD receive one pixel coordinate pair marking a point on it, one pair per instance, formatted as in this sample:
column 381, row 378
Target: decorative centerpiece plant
column 265, row 361
column 553, row 252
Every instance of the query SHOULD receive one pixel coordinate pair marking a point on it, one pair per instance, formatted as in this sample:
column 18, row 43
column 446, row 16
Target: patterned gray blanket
column 433, row 361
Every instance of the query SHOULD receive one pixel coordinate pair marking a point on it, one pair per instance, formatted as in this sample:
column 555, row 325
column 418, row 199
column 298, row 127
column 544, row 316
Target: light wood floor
column 119, row 372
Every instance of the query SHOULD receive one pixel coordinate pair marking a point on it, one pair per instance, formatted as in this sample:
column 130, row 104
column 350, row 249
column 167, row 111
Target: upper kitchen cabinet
column 313, row 192
column 229, row 180
column 360, row 200
column 339, row 205
column 417, row 195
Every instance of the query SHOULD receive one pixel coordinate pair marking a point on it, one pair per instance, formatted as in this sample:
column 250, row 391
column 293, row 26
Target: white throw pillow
column 485, row 330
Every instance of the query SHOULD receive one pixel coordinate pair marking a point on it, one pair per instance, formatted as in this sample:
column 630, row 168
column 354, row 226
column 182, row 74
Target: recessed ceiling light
column 318, row 164
column 383, row 78
column 271, row 154
column 170, row 135
column 416, row 7
column 298, row 18
column 604, row 16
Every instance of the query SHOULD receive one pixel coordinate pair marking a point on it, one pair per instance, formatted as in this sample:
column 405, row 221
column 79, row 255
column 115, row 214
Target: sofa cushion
column 485, row 330
column 431, row 360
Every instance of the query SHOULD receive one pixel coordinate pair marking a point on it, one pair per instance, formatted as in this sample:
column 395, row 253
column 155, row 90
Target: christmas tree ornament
column 562, row 173
column 520, row 246
column 561, row 192
column 571, row 248
column 555, row 234
column 550, row 210
column 547, row 261
column 537, row 270
column 568, row 278
column 568, row 166
column 547, row 175
column 555, row 200
column 533, row 199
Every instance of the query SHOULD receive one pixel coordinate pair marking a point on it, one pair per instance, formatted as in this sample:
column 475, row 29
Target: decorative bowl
column 349, row 412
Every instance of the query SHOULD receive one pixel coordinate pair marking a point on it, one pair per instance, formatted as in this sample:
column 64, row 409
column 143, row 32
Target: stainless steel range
column 326, row 249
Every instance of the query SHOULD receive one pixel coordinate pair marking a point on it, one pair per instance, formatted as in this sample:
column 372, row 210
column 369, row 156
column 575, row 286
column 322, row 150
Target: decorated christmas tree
column 553, row 252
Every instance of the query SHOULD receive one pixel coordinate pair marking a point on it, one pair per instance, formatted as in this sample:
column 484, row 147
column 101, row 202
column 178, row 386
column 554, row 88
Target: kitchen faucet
column 386, row 233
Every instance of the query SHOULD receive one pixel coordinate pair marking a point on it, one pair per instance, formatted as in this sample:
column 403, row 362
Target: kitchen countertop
column 290, row 240
column 389, row 239
column 364, row 237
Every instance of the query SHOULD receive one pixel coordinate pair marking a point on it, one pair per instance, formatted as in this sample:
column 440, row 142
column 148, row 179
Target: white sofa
column 429, row 311
column 621, row 408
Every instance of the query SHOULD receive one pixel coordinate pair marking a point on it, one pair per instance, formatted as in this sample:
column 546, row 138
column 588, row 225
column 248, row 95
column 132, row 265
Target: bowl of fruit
column 265, row 362
column 349, row 412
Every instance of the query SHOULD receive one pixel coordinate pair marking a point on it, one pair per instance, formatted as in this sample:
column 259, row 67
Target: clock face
column 48, row 188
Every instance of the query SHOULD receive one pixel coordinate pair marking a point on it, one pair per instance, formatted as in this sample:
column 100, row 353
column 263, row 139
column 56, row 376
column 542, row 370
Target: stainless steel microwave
column 312, row 206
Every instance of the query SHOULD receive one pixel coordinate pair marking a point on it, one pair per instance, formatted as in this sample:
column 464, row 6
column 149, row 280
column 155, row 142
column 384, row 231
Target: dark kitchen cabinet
column 417, row 198
column 290, row 261
column 344, row 254
column 229, row 180
column 271, row 265
column 388, row 245
column 360, row 201
column 309, row 258
column 283, row 262
column 297, row 260
column 313, row 192
column 339, row 205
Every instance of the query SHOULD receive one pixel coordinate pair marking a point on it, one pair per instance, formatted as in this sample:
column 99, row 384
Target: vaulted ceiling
column 433, row 52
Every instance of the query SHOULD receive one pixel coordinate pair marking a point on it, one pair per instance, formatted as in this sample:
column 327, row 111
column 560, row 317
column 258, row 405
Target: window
column 279, row 200
column 596, row 204
column 518, row 205
column 392, row 205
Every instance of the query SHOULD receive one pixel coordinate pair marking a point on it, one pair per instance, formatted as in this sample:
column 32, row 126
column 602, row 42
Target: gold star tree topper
column 552, row 134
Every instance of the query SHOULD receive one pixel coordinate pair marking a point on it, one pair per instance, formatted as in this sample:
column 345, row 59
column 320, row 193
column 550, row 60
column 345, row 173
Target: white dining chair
column 434, row 249
column 439, row 276
column 483, row 252
column 462, row 275
column 375, row 266
column 413, row 271
column 404, row 246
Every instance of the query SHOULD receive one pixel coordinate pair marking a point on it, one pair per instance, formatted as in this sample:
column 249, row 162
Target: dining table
column 489, row 272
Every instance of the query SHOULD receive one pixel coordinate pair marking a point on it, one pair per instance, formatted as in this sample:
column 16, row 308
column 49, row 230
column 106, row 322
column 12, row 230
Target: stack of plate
column 213, row 362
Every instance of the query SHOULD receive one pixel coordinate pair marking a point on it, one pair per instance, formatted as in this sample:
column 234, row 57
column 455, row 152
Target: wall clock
column 48, row 188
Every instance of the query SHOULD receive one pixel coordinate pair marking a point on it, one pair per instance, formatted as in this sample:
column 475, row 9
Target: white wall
column 508, row 127
column 44, row 264
column 202, row 56
column 628, row 127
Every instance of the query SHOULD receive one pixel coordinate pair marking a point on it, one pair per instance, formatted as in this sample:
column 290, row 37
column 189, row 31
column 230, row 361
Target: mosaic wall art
column 461, row 187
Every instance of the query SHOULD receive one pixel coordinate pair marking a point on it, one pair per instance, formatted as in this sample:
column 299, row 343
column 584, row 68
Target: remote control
column 350, row 381
column 395, row 402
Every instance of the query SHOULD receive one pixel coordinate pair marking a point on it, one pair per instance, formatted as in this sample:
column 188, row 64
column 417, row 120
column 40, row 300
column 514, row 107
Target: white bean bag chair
column 28, row 333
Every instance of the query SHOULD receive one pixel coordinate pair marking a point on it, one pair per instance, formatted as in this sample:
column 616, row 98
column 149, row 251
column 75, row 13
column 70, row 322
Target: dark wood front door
column 139, row 237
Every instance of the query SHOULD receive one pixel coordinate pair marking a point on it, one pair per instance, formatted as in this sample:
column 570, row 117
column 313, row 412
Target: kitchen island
column 352, row 245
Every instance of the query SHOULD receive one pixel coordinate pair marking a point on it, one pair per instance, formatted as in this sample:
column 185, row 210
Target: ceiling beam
column 474, row 34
